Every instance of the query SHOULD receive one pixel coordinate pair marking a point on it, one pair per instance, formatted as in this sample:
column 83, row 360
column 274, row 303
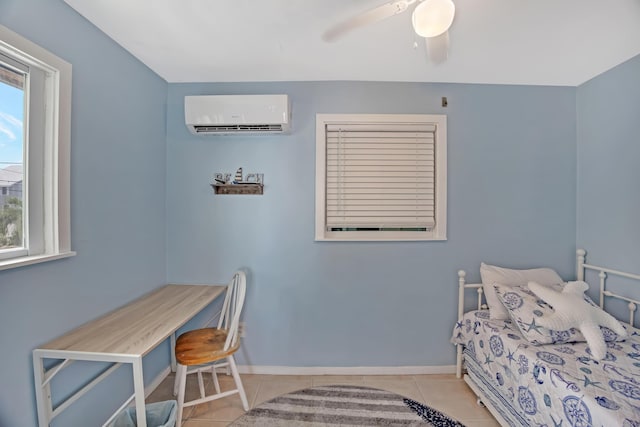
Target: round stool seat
column 203, row 346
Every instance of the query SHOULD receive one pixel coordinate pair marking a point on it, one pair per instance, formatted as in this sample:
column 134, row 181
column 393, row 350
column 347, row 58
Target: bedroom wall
column 608, row 206
column 512, row 201
column 117, row 214
column 511, row 192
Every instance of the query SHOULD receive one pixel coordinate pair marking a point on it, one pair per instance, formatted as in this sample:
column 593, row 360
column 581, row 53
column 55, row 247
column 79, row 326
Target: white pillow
column 492, row 274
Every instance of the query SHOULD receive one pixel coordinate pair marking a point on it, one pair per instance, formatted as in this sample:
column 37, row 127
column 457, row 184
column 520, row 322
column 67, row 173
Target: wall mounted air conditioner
column 237, row 114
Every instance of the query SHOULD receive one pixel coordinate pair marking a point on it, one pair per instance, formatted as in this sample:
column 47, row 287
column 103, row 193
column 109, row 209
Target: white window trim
column 56, row 171
column 35, row 259
column 440, row 230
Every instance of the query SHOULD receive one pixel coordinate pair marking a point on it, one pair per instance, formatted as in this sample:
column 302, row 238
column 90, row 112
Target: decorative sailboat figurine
column 238, row 178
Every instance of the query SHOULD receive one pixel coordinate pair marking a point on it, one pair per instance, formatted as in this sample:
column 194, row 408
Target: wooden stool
column 202, row 348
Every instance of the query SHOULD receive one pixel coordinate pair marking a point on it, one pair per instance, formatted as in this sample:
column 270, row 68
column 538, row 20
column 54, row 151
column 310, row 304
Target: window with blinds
column 381, row 177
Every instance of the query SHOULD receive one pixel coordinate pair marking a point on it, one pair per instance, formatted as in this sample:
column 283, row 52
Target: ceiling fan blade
column 438, row 47
column 369, row 17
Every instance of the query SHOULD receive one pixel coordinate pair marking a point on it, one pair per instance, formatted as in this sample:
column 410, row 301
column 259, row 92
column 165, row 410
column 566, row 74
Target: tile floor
column 443, row 392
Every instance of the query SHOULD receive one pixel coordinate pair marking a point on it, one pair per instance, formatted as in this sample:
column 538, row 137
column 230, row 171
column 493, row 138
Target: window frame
column 439, row 232
column 46, row 195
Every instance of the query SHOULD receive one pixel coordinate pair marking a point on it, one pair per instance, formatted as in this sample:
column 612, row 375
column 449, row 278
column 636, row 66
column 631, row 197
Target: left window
column 35, row 113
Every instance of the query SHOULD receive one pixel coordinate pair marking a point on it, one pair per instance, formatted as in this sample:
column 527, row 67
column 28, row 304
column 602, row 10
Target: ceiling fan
column 431, row 19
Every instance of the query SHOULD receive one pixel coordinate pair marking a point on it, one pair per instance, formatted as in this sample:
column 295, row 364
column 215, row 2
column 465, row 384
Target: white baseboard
column 156, row 381
column 355, row 370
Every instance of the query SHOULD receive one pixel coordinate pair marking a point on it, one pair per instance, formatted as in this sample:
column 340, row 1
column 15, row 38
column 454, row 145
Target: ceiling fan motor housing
column 432, row 18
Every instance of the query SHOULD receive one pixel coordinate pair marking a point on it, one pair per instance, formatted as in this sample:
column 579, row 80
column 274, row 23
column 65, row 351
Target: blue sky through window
column 11, row 128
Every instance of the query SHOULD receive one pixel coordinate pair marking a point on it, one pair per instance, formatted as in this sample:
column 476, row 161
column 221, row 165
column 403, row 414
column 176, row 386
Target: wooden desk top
column 138, row 327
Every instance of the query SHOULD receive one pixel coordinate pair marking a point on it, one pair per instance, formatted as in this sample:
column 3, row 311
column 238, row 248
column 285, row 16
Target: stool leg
column 214, row 375
column 176, row 381
column 182, row 383
column 201, row 384
column 236, row 378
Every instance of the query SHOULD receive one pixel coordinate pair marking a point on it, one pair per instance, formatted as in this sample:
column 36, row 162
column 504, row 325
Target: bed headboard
column 632, row 304
column 581, row 267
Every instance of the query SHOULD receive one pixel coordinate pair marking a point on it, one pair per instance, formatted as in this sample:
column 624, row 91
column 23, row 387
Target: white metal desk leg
column 173, row 352
column 43, row 393
column 138, row 391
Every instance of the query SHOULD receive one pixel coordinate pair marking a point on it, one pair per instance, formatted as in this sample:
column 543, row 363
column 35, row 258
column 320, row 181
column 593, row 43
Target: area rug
column 343, row 405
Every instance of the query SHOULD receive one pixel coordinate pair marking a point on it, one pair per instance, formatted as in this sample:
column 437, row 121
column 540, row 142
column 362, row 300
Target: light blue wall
column 608, row 199
column 608, row 195
column 512, row 201
column 511, row 190
column 117, row 210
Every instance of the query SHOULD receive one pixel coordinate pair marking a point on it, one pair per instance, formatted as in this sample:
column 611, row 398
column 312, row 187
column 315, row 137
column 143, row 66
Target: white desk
column 124, row 335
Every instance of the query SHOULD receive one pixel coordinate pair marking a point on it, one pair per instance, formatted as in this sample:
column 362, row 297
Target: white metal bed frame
column 581, row 267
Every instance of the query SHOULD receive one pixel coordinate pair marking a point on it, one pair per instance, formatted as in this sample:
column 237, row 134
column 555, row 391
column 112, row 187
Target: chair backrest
column 232, row 308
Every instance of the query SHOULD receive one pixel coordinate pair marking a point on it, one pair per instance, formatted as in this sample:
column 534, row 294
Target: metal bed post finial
column 461, row 281
column 580, row 264
column 632, row 312
column 603, row 277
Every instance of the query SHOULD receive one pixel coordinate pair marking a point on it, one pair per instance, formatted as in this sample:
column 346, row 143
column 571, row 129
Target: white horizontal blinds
column 12, row 72
column 380, row 176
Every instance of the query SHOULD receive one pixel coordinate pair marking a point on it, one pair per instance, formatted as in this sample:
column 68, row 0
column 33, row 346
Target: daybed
column 525, row 383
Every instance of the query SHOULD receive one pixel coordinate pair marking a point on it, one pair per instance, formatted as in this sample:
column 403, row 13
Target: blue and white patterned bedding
column 555, row 384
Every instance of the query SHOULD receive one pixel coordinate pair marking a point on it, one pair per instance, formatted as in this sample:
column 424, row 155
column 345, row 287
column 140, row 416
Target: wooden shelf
column 238, row 188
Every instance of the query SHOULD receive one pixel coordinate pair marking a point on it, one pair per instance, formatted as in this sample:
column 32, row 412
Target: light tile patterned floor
column 443, row 392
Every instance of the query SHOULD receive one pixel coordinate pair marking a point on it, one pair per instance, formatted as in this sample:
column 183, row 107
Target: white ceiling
column 536, row 42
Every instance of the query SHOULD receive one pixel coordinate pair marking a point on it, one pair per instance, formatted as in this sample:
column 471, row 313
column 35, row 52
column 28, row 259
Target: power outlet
column 242, row 329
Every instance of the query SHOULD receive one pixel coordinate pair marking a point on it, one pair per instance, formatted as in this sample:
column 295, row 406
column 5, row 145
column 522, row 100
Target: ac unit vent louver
column 238, row 128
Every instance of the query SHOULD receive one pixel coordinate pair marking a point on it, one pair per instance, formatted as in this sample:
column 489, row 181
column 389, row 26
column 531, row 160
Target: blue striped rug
column 343, row 405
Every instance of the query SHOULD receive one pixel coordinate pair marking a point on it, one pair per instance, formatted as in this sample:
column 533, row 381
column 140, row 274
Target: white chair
column 200, row 349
